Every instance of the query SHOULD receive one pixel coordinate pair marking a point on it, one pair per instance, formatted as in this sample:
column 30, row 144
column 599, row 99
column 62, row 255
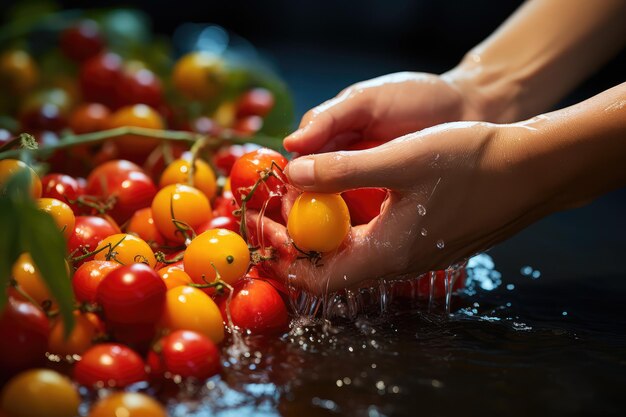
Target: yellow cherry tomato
column 79, row 340
column 61, row 213
column 217, row 249
column 40, row 392
column 188, row 308
column 189, row 206
column 10, row 167
column 126, row 249
column 127, row 404
column 174, row 276
column 137, row 115
column 18, row 72
column 203, row 177
column 199, row 75
column 318, row 222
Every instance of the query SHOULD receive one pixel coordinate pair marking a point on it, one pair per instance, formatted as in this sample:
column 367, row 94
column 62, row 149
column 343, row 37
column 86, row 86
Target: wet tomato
column 364, row 204
column 127, row 404
column 78, row 341
column 40, row 392
column 137, row 115
column 82, row 41
column 246, row 172
column 25, row 330
column 226, row 156
column 142, row 225
column 18, row 72
column 255, row 102
column 88, row 232
column 125, row 249
column 257, row 307
column 220, row 222
column 198, row 75
column 203, row 177
column 109, row 365
column 61, row 213
column 177, row 207
column 132, row 294
column 174, row 276
column 98, row 77
column 10, row 167
column 318, row 222
column 87, row 278
column 29, row 279
column 62, row 187
column 188, row 308
column 185, row 353
column 217, row 249
column 89, row 117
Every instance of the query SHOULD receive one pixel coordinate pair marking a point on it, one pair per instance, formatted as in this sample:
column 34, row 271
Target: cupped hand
column 455, row 189
column 385, row 108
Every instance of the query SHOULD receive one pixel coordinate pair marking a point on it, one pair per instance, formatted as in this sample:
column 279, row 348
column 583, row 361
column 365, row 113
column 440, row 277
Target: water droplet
column 440, row 244
column 424, row 232
column 421, row 210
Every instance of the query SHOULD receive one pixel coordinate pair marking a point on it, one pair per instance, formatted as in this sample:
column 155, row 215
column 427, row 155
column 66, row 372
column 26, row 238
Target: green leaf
column 8, row 249
column 40, row 237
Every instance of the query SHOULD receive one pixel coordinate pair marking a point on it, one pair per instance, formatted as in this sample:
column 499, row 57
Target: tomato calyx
column 313, row 256
column 219, row 284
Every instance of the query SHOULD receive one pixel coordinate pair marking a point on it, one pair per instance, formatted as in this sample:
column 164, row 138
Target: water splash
column 440, row 244
column 421, row 210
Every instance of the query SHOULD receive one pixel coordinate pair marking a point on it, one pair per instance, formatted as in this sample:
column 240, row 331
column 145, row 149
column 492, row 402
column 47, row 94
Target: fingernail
column 301, row 171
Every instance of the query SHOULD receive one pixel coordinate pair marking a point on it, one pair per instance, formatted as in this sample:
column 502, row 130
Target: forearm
column 576, row 154
column 539, row 54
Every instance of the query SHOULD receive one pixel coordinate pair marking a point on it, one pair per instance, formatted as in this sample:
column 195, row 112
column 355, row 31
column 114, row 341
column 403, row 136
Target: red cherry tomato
column 48, row 116
column 82, row 41
column 225, row 205
column 257, row 307
column 62, row 187
column 25, row 330
column 247, row 170
column 226, row 156
column 255, row 102
column 140, row 86
column 221, row 222
column 364, row 204
column 132, row 189
column 248, row 125
column 89, row 117
column 185, row 353
column 98, row 77
column 88, row 232
column 132, row 294
column 88, row 277
column 109, row 365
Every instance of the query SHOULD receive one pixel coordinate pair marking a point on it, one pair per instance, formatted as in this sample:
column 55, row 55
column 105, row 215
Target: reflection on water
column 500, row 352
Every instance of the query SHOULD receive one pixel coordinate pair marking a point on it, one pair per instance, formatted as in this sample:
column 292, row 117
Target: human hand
column 385, row 108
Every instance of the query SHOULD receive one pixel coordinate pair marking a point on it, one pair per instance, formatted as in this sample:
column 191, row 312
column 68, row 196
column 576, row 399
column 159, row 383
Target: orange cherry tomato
column 203, row 177
column 78, row 341
column 126, row 249
column 128, row 404
column 142, row 225
column 138, row 115
column 189, row 207
column 188, row 308
column 61, row 213
column 318, row 221
column 174, row 276
column 89, row 117
column 198, row 75
column 217, row 249
column 30, row 281
column 10, row 167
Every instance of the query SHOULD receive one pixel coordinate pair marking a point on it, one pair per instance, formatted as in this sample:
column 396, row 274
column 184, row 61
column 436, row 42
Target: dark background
column 319, row 47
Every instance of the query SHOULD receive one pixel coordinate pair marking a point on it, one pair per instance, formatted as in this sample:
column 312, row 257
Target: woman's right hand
column 385, row 108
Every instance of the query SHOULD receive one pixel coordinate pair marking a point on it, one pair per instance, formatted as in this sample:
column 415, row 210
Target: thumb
column 335, row 172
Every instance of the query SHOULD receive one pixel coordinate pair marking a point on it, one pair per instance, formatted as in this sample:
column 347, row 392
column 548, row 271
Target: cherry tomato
column 217, row 249
column 247, row 170
column 18, row 72
column 127, row 404
column 78, row 341
column 132, row 189
column 27, row 328
column 140, row 86
column 40, row 392
column 132, row 294
column 220, row 222
column 181, row 203
column 10, row 167
column 204, row 125
column 226, row 156
column 318, row 222
column 174, row 276
column 225, row 205
column 29, row 279
column 61, row 213
column 82, row 41
column 142, row 225
column 48, row 116
column 88, row 277
column 62, row 187
column 188, row 308
column 137, row 115
column 257, row 307
column 88, row 232
column 198, row 75
column 255, row 102
column 98, row 77
column 364, row 204
column 126, row 249
column 109, row 365
column 248, row 125
column 185, row 353
column 203, row 177
column 89, row 117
